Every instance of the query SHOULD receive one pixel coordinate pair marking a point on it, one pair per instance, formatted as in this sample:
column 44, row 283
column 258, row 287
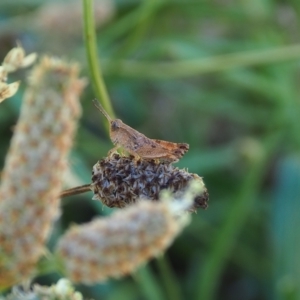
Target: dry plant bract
column 14, row 60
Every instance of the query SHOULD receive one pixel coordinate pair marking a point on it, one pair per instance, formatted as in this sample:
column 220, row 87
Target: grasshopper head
column 115, row 124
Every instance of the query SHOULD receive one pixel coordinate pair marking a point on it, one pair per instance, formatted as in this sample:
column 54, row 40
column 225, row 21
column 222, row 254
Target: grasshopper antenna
column 99, row 107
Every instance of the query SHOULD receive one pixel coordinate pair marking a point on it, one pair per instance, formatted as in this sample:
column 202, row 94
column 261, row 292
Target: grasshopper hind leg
column 113, row 150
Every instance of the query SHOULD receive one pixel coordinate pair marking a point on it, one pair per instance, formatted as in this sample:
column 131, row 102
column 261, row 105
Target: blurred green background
column 222, row 76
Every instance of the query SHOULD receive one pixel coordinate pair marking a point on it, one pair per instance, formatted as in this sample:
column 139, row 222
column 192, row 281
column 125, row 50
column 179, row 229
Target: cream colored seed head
column 119, row 244
column 31, row 179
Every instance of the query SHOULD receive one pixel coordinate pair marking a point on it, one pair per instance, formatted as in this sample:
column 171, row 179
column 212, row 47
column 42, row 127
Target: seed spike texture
column 31, row 179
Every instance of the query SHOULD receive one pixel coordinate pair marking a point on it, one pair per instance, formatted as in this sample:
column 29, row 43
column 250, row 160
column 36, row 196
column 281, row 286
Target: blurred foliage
column 222, row 76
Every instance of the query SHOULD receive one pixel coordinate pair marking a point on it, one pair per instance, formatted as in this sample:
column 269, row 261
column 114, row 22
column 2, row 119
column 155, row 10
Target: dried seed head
column 118, row 181
column 118, row 244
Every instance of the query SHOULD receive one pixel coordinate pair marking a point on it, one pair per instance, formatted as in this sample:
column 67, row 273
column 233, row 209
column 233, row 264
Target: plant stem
column 76, row 190
column 150, row 288
column 93, row 62
column 168, row 279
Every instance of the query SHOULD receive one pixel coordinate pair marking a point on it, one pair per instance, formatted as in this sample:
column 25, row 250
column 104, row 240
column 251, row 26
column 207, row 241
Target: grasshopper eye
column 115, row 125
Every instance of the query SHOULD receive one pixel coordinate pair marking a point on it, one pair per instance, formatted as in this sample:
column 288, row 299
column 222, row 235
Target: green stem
column 193, row 67
column 168, row 279
column 149, row 286
column 93, row 62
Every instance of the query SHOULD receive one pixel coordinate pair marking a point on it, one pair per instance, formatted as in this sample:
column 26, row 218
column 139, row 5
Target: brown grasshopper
column 138, row 144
